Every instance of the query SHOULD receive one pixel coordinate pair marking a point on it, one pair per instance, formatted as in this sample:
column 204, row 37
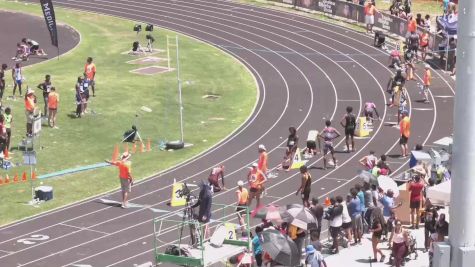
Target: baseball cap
column 261, row 146
column 310, row 249
column 240, row 183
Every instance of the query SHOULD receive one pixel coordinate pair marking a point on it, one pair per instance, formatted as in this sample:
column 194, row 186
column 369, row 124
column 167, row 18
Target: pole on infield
column 168, row 53
column 179, row 88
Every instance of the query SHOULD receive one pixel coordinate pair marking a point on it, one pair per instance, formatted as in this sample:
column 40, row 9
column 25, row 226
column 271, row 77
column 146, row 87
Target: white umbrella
column 439, row 194
column 387, row 183
column 367, row 176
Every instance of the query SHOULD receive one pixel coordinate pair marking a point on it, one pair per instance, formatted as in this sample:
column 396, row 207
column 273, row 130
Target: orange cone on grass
column 15, row 179
column 1, row 181
column 33, row 176
column 149, row 146
column 141, row 147
column 23, row 178
column 134, row 147
column 7, row 179
column 327, row 202
column 115, row 154
column 5, row 153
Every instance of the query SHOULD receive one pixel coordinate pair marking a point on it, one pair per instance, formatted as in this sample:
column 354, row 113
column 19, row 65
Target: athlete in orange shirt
column 90, row 74
column 405, row 130
column 242, row 199
column 125, row 177
column 256, row 179
column 53, row 101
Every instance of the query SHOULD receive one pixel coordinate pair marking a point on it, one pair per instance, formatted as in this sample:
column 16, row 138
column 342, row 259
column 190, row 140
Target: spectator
column 317, row 211
column 90, row 74
column 335, row 217
column 53, row 102
column 3, row 134
column 30, row 109
column 346, row 225
column 45, row 86
column 315, row 240
column 429, row 225
column 257, row 247
column 2, row 80
column 355, row 210
column 442, row 228
column 400, row 243
column 427, row 22
column 427, row 78
column 415, row 187
column 297, row 235
column 377, row 229
column 411, row 24
column 360, row 195
column 314, row 258
column 17, row 75
column 305, row 186
column 405, row 130
column 8, row 125
column 419, row 20
column 413, row 43
column 79, row 97
column 369, row 202
column 369, row 11
column 445, row 6
column 388, row 204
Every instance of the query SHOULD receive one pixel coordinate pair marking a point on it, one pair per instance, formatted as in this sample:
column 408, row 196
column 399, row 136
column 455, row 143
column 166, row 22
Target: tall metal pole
column 179, row 88
column 462, row 208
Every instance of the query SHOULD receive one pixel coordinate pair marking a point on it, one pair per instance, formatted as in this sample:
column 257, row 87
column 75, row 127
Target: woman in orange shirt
column 424, row 43
column 53, row 101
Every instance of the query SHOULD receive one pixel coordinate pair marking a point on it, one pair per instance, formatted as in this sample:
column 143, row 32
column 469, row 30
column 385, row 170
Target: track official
column 125, row 177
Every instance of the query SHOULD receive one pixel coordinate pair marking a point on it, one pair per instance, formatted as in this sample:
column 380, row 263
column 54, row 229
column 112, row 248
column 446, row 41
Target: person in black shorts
column 349, row 123
column 305, row 186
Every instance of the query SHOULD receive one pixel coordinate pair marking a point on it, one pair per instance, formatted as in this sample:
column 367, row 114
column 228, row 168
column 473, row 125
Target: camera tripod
column 189, row 218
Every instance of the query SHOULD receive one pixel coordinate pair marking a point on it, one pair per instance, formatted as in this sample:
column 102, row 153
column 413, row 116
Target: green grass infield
column 120, row 94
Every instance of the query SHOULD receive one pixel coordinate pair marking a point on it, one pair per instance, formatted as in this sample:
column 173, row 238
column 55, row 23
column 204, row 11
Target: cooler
column 44, row 193
column 419, row 155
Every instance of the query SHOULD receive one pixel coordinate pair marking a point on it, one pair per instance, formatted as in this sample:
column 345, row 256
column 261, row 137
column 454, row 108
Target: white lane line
column 423, row 109
column 84, row 228
column 444, row 96
column 335, row 179
column 4, row 251
column 349, row 100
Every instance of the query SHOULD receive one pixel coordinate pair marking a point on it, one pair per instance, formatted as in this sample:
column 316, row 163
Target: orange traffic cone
column 115, row 154
column 1, row 181
column 33, row 176
column 23, row 178
column 149, row 146
column 327, row 202
column 7, row 179
column 141, row 147
column 134, row 147
column 15, row 179
column 126, row 147
column 5, row 153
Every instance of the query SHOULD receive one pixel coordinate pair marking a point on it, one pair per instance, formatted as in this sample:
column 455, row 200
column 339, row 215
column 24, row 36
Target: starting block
column 297, row 161
column 362, row 129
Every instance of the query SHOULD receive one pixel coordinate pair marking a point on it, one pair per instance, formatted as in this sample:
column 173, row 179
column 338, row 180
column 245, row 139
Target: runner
column 262, row 163
column 405, row 128
column 369, row 161
column 46, row 88
column 409, row 57
column 395, row 59
column 305, row 186
column 256, row 179
column 349, row 124
column 213, row 179
column 53, row 101
column 17, row 75
column 427, row 80
column 328, row 135
column 90, row 74
column 242, row 200
column 126, row 180
column 311, row 149
column 292, row 142
column 369, row 110
column 401, row 97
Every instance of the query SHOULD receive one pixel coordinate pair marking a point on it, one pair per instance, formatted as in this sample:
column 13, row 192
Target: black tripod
column 189, row 218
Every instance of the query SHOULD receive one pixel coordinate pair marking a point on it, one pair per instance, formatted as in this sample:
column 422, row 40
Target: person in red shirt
column 90, row 74
column 411, row 24
column 125, row 176
column 415, row 187
column 213, row 178
column 405, row 130
column 427, row 80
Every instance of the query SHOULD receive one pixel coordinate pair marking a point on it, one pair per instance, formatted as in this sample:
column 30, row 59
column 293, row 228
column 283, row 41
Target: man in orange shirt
column 411, row 25
column 256, row 179
column 90, row 74
column 369, row 11
column 427, row 79
column 53, row 101
column 125, row 177
column 242, row 199
column 405, row 130
column 262, row 163
column 30, row 108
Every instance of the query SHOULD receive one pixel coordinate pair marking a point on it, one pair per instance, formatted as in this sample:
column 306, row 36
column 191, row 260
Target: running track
column 306, row 70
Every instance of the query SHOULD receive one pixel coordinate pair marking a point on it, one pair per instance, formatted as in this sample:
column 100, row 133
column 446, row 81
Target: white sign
column 31, row 240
